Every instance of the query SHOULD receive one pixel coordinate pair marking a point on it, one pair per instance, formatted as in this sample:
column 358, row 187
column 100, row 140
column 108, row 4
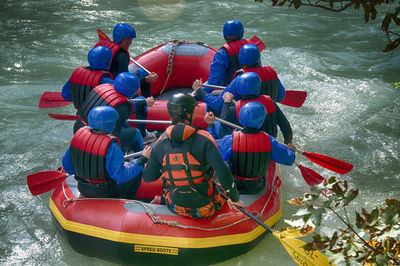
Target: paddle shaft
column 139, row 65
column 288, row 102
column 249, row 214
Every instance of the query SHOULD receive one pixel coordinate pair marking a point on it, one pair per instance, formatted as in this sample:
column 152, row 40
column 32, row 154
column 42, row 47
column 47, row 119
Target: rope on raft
column 158, row 219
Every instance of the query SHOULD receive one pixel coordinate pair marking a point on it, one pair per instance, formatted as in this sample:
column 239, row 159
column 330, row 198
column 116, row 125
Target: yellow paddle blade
column 294, row 232
column 301, row 256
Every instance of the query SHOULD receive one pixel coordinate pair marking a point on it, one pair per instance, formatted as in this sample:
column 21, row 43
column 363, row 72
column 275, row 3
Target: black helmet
column 180, row 104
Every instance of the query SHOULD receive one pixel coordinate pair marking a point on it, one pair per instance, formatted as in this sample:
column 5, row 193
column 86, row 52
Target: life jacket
column 251, row 154
column 187, row 182
column 269, row 80
column 233, row 49
column 270, row 124
column 82, row 81
column 103, row 95
column 114, row 47
column 88, row 152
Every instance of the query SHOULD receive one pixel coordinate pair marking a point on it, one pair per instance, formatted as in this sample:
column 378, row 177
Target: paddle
column 327, row 162
column 104, row 37
column 52, row 99
column 293, row 246
column 42, row 182
column 311, row 177
column 292, row 98
column 74, row 117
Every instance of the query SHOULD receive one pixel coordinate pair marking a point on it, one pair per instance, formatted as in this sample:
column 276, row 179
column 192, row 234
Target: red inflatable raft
column 142, row 233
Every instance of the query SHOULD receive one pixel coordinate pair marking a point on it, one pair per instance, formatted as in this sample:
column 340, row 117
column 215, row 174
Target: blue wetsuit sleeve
column 218, row 69
column 116, row 168
column 66, row 92
column 216, row 102
column 225, row 147
column 211, row 130
column 281, row 92
column 67, row 163
column 280, row 153
column 106, row 79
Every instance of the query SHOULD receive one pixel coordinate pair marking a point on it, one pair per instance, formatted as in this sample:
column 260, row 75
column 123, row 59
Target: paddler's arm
column 115, row 164
column 284, row 125
column 67, row 163
column 281, row 153
column 152, row 171
column 223, row 172
column 218, row 69
column 66, row 92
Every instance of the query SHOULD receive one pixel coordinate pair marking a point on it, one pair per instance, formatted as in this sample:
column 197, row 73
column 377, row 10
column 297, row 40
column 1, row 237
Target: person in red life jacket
column 248, row 88
column 96, row 159
column 186, row 156
column 119, row 97
column 84, row 79
column 249, row 57
column 250, row 150
column 123, row 34
column 226, row 60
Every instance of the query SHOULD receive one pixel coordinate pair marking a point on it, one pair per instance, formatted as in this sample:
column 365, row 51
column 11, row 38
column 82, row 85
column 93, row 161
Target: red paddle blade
column 258, row 42
column 102, row 36
column 330, row 163
column 294, row 98
column 52, row 99
column 311, row 177
column 63, row 116
column 43, row 182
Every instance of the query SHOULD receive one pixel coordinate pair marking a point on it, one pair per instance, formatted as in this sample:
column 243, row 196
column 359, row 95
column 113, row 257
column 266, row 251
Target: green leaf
column 390, row 215
column 374, row 217
column 349, row 196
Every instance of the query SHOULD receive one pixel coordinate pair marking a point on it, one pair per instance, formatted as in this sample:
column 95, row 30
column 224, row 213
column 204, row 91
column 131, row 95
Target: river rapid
column 351, row 112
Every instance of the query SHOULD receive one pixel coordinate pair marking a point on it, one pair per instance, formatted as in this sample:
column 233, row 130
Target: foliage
column 397, row 84
column 367, row 237
column 390, row 20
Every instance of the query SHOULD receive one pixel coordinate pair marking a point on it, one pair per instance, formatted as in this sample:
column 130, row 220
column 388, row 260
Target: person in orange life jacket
column 84, row 79
column 122, row 36
column 226, row 60
column 119, row 97
column 248, row 88
column 186, row 156
column 249, row 151
column 102, row 173
column 249, row 57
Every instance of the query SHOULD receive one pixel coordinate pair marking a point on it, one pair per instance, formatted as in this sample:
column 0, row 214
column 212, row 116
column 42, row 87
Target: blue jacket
column 114, row 164
column 217, row 69
column 279, row 153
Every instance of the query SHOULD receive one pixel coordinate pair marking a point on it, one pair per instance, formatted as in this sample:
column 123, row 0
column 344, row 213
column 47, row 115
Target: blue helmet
column 103, row 117
column 127, row 84
column 122, row 31
column 249, row 54
column 233, row 28
column 252, row 114
column 248, row 84
column 100, row 57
